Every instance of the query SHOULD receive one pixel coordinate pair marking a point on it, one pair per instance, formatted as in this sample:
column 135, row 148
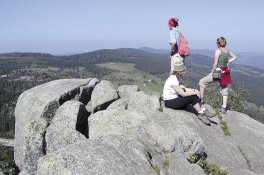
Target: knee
column 202, row 84
column 194, row 99
column 224, row 92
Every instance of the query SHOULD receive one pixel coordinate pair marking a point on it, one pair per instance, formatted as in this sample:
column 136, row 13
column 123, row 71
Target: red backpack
column 183, row 46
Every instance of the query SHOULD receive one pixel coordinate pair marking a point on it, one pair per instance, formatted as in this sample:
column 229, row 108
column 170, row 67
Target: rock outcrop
column 115, row 155
column 85, row 126
column 42, row 102
column 69, row 125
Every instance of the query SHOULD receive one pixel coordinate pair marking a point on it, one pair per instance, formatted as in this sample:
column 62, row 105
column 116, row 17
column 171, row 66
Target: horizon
column 78, row 27
column 140, row 48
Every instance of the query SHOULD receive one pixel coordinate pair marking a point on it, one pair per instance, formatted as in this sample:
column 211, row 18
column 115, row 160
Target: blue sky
column 67, row 26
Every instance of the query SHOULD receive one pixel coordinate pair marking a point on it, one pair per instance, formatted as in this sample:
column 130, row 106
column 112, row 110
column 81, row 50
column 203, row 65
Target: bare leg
column 202, row 91
column 197, row 107
column 225, row 100
column 224, row 92
column 204, row 82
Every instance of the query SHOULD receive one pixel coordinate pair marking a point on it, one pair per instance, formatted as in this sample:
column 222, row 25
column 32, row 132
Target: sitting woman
column 176, row 96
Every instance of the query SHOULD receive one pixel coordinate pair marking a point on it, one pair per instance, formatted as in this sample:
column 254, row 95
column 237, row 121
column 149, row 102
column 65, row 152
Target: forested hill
column 25, row 54
column 148, row 62
column 156, row 64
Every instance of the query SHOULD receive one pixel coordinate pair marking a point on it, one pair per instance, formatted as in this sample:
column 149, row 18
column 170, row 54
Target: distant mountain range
column 244, row 58
column 148, row 60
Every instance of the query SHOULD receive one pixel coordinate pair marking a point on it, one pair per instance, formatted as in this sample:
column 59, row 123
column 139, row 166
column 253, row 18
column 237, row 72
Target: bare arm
column 191, row 90
column 233, row 57
column 216, row 57
column 182, row 86
column 188, row 92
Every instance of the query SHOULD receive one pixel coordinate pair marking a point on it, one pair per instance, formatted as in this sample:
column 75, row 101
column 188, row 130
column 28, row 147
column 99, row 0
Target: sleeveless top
column 223, row 59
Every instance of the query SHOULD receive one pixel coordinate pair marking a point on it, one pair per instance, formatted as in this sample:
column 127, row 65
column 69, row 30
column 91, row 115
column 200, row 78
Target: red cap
column 172, row 21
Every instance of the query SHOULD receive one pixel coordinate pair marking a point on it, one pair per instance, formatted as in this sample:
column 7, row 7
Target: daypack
column 183, row 46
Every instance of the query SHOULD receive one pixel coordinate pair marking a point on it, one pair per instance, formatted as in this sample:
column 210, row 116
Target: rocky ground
column 86, row 126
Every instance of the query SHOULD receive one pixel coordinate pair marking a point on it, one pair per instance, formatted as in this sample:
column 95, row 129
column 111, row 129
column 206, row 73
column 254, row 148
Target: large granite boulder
column 41, row 102
column 103, row 95
column 34, row 137
column 125, row 91
column 164, row 134
column 98, row 157
column 115, row 122
column 68, row 126
column 120, row 104
column 248, row 136
column 224, row 150
column 144, row 102
column 158, row 132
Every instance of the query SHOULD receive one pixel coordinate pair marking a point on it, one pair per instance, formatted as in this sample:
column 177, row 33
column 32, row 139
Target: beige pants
column 175, row 58
column 209, row 79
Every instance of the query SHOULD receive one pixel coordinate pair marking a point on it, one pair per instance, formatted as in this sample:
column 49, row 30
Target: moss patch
column 223, row 124
column 166, row 165
column 157, row 169
column 214, row 170
column 246, row 158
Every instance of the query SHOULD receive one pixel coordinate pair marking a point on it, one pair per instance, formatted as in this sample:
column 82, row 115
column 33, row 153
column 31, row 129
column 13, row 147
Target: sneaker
column 209, row 114
column 223, row 110
column 204, row 119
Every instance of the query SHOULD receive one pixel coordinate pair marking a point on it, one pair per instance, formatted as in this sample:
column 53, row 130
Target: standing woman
column 177, row 96
column 174, row 41
column 223, row 57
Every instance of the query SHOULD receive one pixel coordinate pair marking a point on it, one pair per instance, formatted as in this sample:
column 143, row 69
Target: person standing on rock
column 174, row 41
column 177, row 96
column 220, row 71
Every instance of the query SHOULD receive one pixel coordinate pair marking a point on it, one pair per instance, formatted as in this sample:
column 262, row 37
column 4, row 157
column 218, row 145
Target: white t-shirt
column 168, row 92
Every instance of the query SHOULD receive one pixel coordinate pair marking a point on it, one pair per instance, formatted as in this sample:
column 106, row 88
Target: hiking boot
column 204, row 119
column 223, row 110
column 209, row 114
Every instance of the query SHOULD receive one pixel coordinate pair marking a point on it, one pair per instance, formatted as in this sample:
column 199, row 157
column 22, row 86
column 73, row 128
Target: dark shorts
column 186, row 103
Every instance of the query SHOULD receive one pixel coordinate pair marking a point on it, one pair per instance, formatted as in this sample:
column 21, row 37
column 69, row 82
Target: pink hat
column 172, row 21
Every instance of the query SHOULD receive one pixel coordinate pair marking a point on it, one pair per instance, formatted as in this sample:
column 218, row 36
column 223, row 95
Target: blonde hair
column 177, row 73
column 221, row 41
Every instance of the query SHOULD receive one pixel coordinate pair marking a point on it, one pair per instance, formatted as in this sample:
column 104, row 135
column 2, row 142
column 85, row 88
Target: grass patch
column 126, row 73
column 122, row 67
column 156, row 87
column 246, row 158
column 223, row 124
column 209, row 169
column 166, row 163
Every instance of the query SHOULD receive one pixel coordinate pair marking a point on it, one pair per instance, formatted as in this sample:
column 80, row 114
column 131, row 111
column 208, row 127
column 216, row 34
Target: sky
column 78, row 26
